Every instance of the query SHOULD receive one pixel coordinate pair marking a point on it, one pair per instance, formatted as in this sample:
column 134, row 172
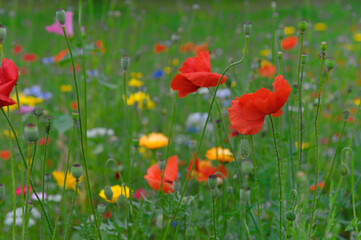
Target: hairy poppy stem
column 356, row 222
column 65, row 176
column 25, row 217
column 81, row 133
column 201, row 138
column 26, row 167
column 279, row 161
column 43, row 182
column 214, row 215
column 71, row 211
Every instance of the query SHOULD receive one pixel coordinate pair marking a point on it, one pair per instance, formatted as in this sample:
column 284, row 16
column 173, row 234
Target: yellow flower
column 265, row 52
column 304, row 145
column 290, row 30
column 70, row 179
column 168, row 70
column 175, row 62
column 357, row 37
column 153, row 140
column 65, row 88
column 357, row 101
column 135, row 83
column 265, row 63
column 24, row 100
column 320, row 27
column 143, row 100
column 220, row 154
column 233, row 84
column 139, row 75
column 133, row 74
column 6, row 133
column 117, row 191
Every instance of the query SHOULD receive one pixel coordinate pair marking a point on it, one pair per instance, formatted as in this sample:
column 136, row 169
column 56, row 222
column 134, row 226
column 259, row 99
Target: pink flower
column 18, row 191
column 57, row 28
column 138, row 194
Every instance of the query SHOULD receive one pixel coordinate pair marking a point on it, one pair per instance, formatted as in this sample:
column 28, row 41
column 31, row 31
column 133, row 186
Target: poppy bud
column 2, row 33
column 303, row 58
column 273, row 5
column 61, row 16
column 344, row 170
column 330, row 63
column 323, row 46
column 101, row 208
column 108, row 193
column 75, row 116
column 122, row 201
column 31, row 132
column 136, row 143
column 245, row 148
column 161, row 164
column 302, row 26
column 301, row 177
column 280, row 33
column 124, row 62
column 279, row 55
column 346, row 114
column 247, row 28
column 77, row 171
column 212, row 181
column 177, row 185
column 2, row 191
column 290, row 216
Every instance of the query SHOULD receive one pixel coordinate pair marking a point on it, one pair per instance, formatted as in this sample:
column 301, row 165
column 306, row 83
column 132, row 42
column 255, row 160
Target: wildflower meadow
column 209, row 119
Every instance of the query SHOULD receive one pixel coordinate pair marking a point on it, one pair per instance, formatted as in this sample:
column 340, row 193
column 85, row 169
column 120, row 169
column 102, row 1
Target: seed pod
column 108, row 193
column 31, row 132
column 124, row 62
column 212, row 181
column 247, row 28
column 101, row 208
column 302, row 26
column 61, row 16
column 77, row 171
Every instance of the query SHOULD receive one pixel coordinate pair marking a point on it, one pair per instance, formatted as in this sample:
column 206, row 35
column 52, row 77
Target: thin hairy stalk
column 279, row 176
column 71, row 210
column 28, row 160
column 81, row 134
column 43, row 181
column 65, row 176
column 201, row 138
column 353, row 199
column 214, row 216
column 299, row 115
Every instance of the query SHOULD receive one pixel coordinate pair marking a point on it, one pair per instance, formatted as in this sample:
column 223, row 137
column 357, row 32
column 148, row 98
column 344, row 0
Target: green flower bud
column 247, row 28
column 161, row 164
column 136, row 143
column 124, row 62
column 279, row 55
column 346, row 114
column 2, row 33
column 245, row 148
column 323, row 46
column 301, row 177
column 303, row 58
column 31, row 132
column 75, row 116
column 290, row 216
column 302, row 26
column 122, row 201
column 344, row 170
column 108, row 193
column 212, row 181
column 330, row 63
column 61, row 16
column 77, row 171
column 177, row 185
column 101, row 208
column 2, row 191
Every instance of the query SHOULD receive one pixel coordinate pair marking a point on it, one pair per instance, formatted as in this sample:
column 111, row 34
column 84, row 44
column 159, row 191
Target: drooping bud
column 101, row 208
column 61, row 16
column 161, row 164
column 346, row 114
column 108, row 193
column 245, row 148
column 247, row 28
column 302, row 26
column 122, row 201
column 212, row 181
column 330, row 63
column 290, row 216
column 344, row 170
column 323, row 46
column 2, row 33
column 31, row 132
column 124, row 62
column 2, row 191
column 77, row 171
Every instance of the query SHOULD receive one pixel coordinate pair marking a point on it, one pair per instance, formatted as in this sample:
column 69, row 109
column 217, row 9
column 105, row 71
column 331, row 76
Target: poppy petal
column 171, row 169
column 181, row 84
column 202, row 62
column 204, row 79
column 188, row 65
column 10, row 70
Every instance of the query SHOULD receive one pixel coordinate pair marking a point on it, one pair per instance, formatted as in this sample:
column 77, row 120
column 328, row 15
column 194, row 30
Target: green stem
column 214, row 216
column 71, row 211
column 65, row 176
column 81, row 134
column 353, row 198
column 279, row 162
column 299, row 84
column 201, row 138
column 28, row 159
column 43, row 180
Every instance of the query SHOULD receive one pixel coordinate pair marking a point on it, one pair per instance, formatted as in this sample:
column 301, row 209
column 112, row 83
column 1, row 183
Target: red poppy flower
column 203, row 169
column 247, row 113
column 42, row 141
column 200, row 48
column 195, row 73
column 289, row 43
column 159, row 48
column 266, row 69
column 139, row 193
column 5, row 155
column 29, row 57
column 320, row 185
column 107, row 214
column 186, row 47
column 17, row 49
column 9, row 74
column 153, row 176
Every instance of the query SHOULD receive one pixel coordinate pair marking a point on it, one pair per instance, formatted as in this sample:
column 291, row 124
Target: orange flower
column 153, row 176
column 289, row 43
column 5, row 155
column 267, row 69
column 61, row 55
column 159, row 48
column 220, row 154
column 200, row 48
column 320, row 185
column 74, row 106
column 153, row 141
column 204, row 168
column 186, row 47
